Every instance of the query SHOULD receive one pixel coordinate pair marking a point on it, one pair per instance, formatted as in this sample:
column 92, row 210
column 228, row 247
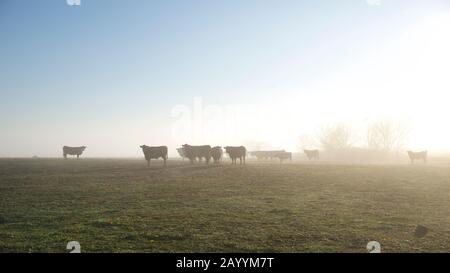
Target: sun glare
column 405, row 79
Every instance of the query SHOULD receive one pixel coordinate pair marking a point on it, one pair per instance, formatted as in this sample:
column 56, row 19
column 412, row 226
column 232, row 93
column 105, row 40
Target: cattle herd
column 206, row 152
column 265, row 155
column 196, row 153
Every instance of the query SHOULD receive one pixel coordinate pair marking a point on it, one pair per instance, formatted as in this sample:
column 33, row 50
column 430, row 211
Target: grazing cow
column 283, row 156
column 235, row 153
column 418, row 156
column 216, row 153
column 181, row 152
column 266, row 154
column 154, row 153
column 73, row 151
column 197, row 152
column 312, row 154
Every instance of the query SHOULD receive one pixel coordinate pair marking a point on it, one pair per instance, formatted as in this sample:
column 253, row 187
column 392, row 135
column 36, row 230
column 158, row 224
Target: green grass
column 123, row 206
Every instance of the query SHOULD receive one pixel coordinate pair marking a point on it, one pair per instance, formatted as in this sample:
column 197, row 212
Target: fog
column 401, row 79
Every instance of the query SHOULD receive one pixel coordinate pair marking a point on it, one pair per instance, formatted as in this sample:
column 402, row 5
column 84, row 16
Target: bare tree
column 387, row 135
column 337, row 137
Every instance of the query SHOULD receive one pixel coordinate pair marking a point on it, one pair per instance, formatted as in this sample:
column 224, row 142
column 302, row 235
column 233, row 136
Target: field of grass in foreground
column 123, row 206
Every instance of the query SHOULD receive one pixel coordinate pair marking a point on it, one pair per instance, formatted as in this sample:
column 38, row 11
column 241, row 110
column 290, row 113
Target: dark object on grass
column 420, row 231
column 2, row 220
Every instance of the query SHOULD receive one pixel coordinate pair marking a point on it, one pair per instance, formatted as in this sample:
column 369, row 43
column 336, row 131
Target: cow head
column 143, row 146
column 83, row 147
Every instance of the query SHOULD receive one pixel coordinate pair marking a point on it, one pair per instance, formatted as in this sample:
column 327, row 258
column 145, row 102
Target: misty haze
column 224, row 126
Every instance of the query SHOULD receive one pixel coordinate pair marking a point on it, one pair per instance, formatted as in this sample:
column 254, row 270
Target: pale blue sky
column 107, row 74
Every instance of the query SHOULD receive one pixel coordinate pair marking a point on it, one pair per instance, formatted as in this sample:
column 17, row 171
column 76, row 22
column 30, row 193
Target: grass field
column 118, row 205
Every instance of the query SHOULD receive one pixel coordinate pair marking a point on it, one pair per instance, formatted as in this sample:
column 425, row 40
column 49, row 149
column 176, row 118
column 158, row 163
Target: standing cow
column 283, row 156
column 181, row 153
column 264, row 155
column 73, row 151
column 154, row 153
column 197, row 152
column 418, row 156
column 235, row 153
column 216, row 153
column 312, row 154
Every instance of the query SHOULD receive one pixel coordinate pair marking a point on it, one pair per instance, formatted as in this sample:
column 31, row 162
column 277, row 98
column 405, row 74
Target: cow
column 73, row 151
column 154, row 153
column 181, row 153
column 312, row 154
column 266, row 154
column 418, row 156
column 216, row 154
column 197, row 152
column 283, row 156
column 235, row 153
column 257, row 154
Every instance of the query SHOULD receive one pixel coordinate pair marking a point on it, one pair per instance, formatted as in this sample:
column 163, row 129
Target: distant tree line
column 383, row 136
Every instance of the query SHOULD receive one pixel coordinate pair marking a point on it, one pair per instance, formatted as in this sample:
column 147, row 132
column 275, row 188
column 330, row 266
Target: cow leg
column 65, row 156
column 165, row 159
column 78, row 156
column 148, row 163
